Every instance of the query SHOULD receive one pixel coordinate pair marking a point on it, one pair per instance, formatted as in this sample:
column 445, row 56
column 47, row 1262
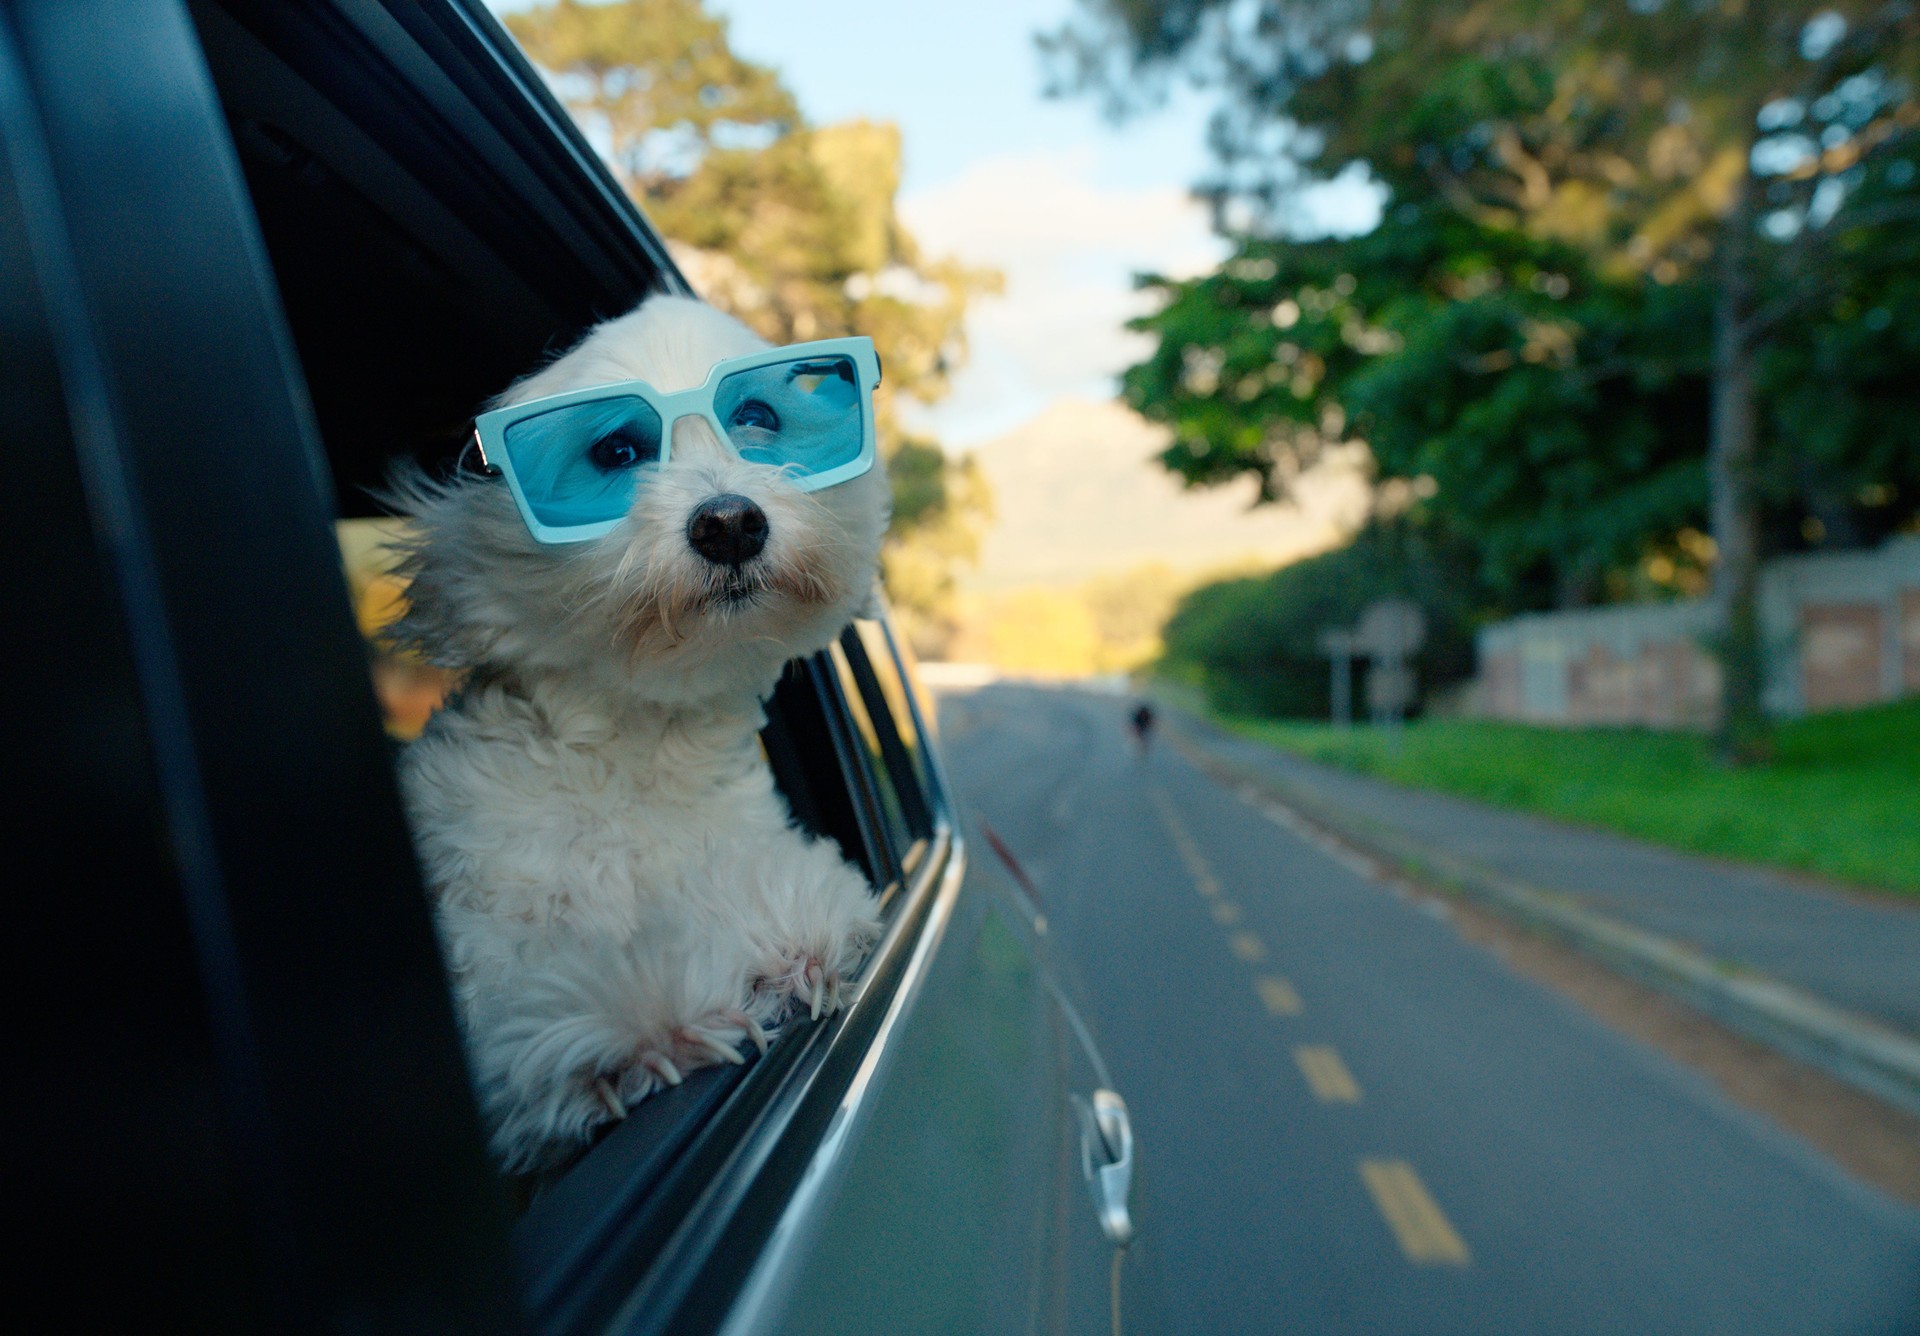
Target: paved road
column 1858, row 953
column 1353, row 1121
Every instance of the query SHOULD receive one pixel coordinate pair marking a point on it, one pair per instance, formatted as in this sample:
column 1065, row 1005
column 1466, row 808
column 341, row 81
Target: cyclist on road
column 1142, row 723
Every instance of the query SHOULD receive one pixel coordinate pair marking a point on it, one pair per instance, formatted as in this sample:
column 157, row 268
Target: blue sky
column 962, row 81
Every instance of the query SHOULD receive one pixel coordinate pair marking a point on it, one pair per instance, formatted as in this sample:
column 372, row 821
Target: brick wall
column 1910, row 641
column 1840, row 646
column 1839, row 629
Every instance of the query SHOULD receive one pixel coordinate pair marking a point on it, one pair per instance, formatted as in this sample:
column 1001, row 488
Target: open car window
column 249, row 220
column 426, row 254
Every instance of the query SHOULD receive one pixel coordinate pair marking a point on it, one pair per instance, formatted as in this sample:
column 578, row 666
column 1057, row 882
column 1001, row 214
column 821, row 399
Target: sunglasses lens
column 580, row 464
column 807, row 415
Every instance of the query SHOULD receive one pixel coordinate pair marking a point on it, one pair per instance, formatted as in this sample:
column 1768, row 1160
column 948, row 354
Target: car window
column 366, row 234
column 799, row 743
column 885, row 784
column 876, row 701
column 906, row 701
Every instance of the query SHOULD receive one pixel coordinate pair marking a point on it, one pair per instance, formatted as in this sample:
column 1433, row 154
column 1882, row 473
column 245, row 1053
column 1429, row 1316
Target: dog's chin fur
column 619, row 890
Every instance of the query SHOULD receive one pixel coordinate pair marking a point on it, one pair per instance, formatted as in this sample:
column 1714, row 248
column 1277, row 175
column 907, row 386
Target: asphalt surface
column 1350, row 1119
column 1851, row 950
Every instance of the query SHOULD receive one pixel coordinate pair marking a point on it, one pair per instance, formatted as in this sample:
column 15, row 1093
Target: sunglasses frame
column 490, row 428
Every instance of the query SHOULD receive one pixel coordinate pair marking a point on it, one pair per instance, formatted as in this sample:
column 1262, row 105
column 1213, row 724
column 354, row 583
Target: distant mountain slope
column 1077, row 493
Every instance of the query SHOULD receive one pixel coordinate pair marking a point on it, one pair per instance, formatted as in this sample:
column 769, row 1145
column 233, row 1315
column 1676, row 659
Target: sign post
column 1337, row 644
column 1390, row 632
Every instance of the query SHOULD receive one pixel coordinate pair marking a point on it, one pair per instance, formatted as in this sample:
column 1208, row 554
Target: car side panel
column 942, row 1221
column 963, row 1207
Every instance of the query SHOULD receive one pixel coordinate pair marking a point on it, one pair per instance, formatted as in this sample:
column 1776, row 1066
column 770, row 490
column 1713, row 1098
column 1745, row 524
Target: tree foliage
column 1546, row 413
column 657, row 82
column 1252, row 645
column 1717, row 198
column 789, row 226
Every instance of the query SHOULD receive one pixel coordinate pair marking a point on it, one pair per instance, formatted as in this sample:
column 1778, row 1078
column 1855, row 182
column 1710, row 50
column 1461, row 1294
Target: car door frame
column 325, row 981
column 187, row 403
column 365, row 1189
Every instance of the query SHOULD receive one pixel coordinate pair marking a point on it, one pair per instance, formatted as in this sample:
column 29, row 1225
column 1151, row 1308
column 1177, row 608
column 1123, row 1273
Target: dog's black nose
column 727, row 530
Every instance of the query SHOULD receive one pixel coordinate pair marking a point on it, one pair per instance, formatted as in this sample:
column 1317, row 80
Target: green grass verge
column 1841, row 798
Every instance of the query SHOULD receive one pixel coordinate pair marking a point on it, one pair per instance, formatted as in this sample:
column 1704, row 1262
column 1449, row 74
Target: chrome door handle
column 1106, row 1158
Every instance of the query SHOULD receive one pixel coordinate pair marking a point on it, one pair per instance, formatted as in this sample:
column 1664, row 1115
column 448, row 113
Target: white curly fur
column 620, row 892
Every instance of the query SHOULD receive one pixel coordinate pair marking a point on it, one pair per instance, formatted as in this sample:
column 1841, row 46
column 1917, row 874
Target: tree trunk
column 1733, row 497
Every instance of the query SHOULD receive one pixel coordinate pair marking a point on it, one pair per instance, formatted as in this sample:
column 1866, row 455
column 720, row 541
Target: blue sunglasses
column 574, row 462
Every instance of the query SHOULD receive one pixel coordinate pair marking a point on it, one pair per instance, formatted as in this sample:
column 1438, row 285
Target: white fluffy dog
column 621, row 894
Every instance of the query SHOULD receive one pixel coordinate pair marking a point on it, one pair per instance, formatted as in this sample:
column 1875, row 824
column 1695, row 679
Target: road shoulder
column 1840, row 1081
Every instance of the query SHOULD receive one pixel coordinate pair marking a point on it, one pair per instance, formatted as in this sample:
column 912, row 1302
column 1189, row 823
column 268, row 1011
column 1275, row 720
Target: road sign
column 1389, row 690
column 1392, row 628
column 1337, row 643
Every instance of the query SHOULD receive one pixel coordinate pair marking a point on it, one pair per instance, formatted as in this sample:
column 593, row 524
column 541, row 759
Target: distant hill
column 1077, row 493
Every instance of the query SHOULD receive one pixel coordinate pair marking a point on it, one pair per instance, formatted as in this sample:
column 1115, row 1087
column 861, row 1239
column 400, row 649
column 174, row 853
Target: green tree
column 1252, row 645
column 656, row 82
column 1747, row 147
column 1540, row 406
column 789, row 226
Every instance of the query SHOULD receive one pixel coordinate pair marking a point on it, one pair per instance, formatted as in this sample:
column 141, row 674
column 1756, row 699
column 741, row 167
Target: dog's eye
column 753, row 413
column 624, row 448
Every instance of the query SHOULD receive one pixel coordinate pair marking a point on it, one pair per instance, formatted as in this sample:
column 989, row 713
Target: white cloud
column 1068, row 248
column 1043, row 204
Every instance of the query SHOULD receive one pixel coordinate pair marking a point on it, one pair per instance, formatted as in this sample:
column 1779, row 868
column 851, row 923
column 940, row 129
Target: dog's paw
column 718, row 1037
column 802, row 980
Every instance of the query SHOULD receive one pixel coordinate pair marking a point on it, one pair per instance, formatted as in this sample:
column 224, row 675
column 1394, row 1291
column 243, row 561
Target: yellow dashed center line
column 1327, row 1076
column 1417, row 1222
column 1276, row 992
column 1279, row 996
column 1203, row 878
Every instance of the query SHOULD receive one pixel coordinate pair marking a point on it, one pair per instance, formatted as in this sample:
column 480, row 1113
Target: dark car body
column 250, row 252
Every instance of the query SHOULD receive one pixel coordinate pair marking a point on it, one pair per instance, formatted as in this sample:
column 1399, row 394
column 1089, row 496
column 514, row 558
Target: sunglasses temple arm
column 475, row 447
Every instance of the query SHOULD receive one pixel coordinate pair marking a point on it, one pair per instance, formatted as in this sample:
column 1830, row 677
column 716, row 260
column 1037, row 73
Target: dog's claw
column 752, row 1027
column 804, row 981
column 662, row 1066
column 715, row 1045
column 817, row 986
column 610, row 1097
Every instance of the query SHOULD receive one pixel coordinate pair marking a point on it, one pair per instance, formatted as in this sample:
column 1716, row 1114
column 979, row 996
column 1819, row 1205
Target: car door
column 979, row 1183
column 225, row 948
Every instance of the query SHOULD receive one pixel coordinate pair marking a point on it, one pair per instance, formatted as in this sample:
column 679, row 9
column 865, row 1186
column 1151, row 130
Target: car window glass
column 798, row 742
column 903, row 694
column 873, row 680
column 849, row 661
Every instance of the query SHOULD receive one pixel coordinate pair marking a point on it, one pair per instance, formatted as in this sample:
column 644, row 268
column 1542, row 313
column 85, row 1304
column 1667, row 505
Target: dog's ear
column 457, row 532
